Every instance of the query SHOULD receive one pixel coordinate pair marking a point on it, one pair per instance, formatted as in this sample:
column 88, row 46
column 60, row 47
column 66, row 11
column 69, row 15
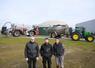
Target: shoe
column 57, row 66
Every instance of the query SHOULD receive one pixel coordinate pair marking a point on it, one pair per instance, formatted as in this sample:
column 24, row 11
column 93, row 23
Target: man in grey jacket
column 31, row 53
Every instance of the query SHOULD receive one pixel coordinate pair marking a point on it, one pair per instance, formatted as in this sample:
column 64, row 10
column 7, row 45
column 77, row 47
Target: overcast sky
column 38, row 11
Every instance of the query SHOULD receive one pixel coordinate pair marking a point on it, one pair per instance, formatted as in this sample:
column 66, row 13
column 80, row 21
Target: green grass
column 79, row 54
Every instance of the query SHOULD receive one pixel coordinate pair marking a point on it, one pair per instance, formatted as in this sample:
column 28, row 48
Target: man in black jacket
column 46, row 53
column 58, row 50
column 31, row 53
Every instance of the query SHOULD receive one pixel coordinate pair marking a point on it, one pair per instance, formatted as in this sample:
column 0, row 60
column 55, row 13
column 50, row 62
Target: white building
column 51, row 23
column 88, row 25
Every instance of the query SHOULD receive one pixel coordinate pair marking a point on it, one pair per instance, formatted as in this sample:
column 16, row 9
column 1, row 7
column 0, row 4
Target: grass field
column 78, row 54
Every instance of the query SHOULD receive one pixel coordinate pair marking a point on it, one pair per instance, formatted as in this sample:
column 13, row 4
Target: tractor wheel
column 75, row 36
column 16, row 33
column 52, row 35
column 31, row 33
column 89, row 38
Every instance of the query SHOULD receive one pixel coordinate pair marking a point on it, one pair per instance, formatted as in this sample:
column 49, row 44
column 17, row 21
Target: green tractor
column 81, row 33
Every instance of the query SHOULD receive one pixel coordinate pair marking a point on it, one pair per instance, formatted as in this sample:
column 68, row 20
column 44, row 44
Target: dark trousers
column 46, row 60
column 32, row 63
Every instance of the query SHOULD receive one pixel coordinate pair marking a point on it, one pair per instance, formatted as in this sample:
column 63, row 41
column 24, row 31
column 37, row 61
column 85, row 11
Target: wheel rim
column 31, row 33
column 90, row 38
column 75, row 37
column 53, row 35
column 16, row 33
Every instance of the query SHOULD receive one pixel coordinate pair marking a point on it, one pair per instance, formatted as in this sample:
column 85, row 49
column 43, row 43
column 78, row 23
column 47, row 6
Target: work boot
column 57, row 66
column 62, row 67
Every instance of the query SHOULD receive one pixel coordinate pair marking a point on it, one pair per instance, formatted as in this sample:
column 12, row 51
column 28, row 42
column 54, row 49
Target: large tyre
column 16, row 33
column 31, row 33
column 52, row 35
column 75, row 36
column 89, row 38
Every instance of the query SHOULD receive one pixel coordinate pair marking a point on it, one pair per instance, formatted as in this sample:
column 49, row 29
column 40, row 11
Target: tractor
column 15, row 30
column 79, row 33
column 6, row 28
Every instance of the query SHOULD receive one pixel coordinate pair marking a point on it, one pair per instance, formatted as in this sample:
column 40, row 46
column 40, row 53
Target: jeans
column 59, row 61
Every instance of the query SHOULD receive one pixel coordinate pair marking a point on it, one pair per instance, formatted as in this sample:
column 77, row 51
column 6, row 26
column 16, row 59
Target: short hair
column 57, row 38
column 46, row 38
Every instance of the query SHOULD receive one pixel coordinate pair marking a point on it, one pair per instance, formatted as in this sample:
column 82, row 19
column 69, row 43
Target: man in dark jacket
column 46, row 53
column 58, row 50
column 31, row 53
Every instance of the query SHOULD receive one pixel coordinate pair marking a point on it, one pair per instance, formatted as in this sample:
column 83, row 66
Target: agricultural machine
column 16, row 30
column 7, row 28
column 76, row 35
column 80, row 32
column 58, row 30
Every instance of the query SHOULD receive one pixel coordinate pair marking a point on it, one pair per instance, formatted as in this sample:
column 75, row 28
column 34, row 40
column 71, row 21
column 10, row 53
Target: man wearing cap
column 31, row 53
column 46, row 53
column 58, row 50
